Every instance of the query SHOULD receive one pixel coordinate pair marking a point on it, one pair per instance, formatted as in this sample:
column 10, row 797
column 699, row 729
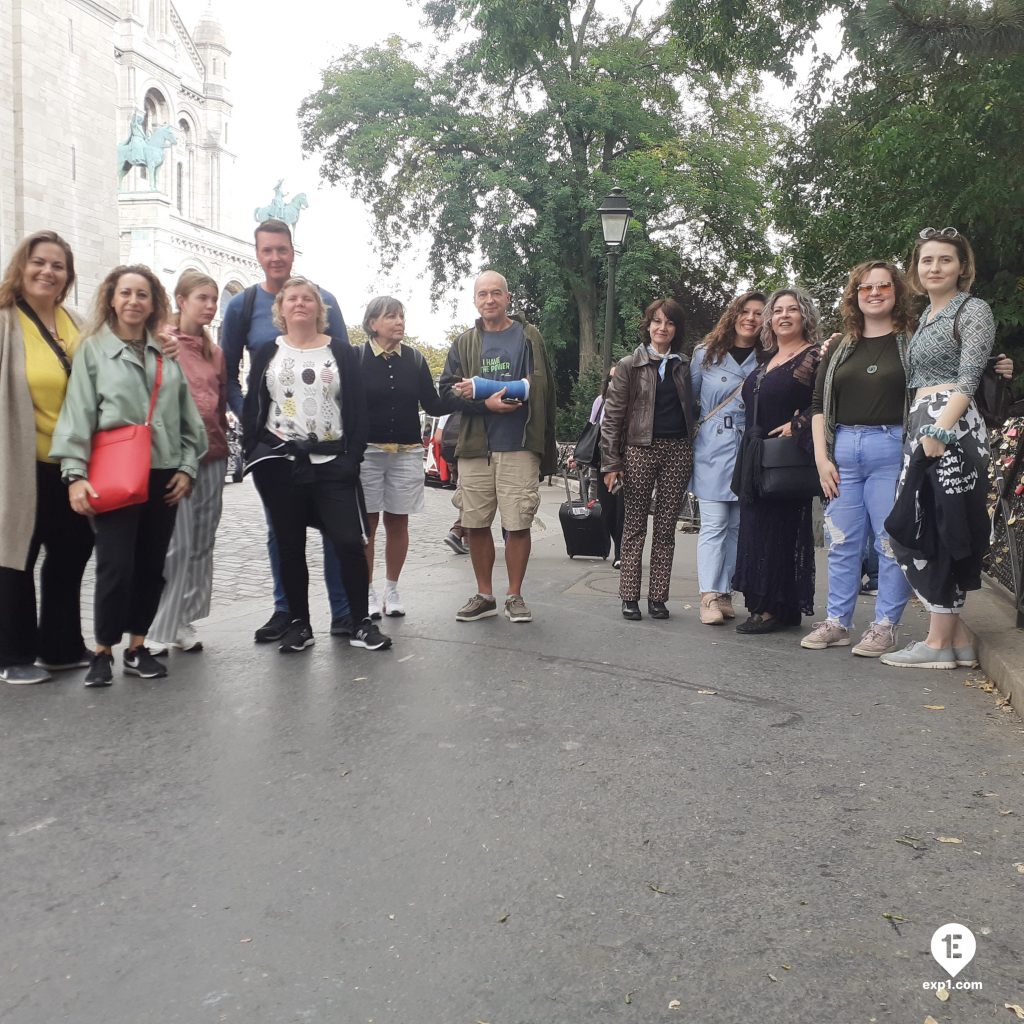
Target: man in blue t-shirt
column 275, row 255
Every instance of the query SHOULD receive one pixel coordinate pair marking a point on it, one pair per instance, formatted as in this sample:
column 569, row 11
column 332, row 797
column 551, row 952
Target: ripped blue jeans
column 869, row 460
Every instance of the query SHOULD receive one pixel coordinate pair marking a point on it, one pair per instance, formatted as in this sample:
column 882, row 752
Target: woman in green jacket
column 112, row 380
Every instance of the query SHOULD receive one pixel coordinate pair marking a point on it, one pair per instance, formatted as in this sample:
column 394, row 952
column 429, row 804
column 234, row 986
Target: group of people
column 886, row 412
column 332, row 438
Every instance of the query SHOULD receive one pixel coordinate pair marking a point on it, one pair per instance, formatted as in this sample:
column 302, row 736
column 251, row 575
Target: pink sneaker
column 826, row 634
column 878, row 639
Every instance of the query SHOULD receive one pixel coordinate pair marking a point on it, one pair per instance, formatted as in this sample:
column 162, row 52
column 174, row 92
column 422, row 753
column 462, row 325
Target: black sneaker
column 368, row 635
column 297, row 637
column 274, row 628
column 101, row 670
column 139, row 662
column 342, row 625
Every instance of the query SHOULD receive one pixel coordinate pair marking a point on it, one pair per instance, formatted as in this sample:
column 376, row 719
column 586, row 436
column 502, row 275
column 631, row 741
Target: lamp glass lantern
column 615, row 213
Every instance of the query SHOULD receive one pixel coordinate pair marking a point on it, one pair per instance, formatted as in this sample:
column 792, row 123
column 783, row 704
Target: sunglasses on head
column 926, row 234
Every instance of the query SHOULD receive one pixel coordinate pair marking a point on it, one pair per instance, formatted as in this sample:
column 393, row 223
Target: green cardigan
column 109, row 387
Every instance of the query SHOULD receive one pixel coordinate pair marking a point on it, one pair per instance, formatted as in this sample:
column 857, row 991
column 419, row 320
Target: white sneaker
column 158, row 648
column 393, row 604
column 374, row 605
column 188, row 638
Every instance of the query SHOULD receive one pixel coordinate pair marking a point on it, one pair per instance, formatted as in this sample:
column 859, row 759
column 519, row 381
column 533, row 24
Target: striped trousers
column 666, row 464
column 188, row 567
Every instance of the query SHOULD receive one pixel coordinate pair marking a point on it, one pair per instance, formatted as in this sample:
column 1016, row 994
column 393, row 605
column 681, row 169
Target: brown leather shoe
column 710, row 612
column 725, row 605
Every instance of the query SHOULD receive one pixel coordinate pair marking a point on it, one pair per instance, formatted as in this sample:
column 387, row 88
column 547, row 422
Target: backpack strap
column 248, row 304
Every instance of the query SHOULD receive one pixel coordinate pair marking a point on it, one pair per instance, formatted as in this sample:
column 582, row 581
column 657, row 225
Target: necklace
column 879, row 349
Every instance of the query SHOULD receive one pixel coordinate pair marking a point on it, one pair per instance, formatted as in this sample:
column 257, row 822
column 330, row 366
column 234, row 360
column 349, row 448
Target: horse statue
column 143, row 151
column 278, row 209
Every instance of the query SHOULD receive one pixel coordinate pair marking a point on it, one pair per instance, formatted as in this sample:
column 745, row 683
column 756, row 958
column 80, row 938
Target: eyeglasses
column 928, row 233
column 866, row 289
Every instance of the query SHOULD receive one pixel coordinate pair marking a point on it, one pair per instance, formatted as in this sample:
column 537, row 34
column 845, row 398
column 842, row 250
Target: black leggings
column 332, row 505
column 611, row 507
column 131, row 544
column 66, row 538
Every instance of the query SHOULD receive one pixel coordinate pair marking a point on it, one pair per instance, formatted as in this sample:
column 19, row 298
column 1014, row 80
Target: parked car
column 437, row 470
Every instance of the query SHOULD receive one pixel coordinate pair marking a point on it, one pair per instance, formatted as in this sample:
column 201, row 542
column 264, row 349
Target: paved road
column 509, row 824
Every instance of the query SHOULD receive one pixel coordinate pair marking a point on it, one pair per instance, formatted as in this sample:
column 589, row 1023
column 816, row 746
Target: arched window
column 155, row 109
column 185, row 149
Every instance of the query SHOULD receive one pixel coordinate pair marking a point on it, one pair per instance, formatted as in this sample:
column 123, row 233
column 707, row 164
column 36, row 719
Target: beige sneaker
column 826, row 634
column 477, row 607
column 878, row 639
column 710, row 611
column 516, row 610
column 725, row 606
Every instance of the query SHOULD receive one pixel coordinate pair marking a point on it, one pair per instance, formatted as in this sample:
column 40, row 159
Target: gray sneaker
column 516, row 610
column 826, row 634
column 920, row 655
column 878, row 639
column 966, row 656
column 23, row 675
column 477, row 607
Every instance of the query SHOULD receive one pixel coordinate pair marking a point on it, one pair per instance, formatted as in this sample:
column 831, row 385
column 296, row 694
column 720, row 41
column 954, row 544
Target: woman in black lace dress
column 775, row 558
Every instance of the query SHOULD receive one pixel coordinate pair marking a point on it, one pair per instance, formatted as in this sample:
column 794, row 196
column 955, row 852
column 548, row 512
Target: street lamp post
column 615, row 213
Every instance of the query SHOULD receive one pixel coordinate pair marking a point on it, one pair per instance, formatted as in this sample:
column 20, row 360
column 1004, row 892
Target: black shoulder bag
column 787, row 472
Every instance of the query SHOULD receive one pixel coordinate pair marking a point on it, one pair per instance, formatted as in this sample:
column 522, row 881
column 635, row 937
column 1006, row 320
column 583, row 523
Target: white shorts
column 392, row 481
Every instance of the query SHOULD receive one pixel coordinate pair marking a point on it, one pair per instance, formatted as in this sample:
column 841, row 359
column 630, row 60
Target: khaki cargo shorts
column 508, row 483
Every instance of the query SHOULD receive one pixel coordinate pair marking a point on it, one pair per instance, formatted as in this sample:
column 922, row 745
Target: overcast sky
column 276, row 61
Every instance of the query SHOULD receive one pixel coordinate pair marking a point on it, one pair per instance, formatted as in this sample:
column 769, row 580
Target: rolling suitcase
column 583, row 525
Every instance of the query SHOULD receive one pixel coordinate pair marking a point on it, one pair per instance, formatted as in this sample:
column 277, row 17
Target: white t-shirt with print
column 304, row 387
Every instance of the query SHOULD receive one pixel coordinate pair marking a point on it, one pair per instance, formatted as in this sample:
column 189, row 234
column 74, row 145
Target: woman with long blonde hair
column 188, row 568
column 38, row 337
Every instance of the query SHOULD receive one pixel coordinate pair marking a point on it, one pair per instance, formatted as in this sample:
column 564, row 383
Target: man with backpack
column 248, row 326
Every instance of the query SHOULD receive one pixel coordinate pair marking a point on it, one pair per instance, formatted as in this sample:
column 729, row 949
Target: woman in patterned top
column 946, row 358
column 305, row 428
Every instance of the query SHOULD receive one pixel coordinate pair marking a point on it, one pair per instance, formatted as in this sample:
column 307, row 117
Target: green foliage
column 573, row 414
column 887, row 151
column 506, row 148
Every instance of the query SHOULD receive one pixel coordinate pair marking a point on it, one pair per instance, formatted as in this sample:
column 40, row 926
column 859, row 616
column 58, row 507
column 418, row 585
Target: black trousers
column 131, row 544
column 611, row 507
column 331, row 504
column 66, row 538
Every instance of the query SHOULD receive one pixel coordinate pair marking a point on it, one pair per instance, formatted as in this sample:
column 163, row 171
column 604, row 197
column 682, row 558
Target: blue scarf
column 664, row 359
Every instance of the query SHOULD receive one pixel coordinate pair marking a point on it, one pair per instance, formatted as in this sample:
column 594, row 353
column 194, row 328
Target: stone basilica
column 84, row 83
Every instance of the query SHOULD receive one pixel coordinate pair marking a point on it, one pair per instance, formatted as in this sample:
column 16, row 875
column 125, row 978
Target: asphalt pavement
column 579, row 819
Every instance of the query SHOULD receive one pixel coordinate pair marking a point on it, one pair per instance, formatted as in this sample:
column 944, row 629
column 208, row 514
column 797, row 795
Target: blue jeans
column 332, row 576
column 869, row 460
column 716, row 545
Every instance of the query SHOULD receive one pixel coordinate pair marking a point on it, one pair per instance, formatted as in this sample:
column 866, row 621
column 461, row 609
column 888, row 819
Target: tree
column 506, row 147
column 927, row 32
column 889, row 150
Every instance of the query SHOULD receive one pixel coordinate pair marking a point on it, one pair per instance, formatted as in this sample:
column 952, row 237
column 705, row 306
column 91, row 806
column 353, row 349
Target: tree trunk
column 586, row 306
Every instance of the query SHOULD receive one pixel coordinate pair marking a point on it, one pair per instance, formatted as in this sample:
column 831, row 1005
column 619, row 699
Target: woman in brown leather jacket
column 646, row 441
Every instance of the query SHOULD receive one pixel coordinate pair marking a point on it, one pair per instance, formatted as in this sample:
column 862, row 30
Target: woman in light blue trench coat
column 720, row 365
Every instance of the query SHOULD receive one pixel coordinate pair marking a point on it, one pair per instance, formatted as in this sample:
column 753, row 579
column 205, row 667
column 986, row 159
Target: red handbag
column 121, row 459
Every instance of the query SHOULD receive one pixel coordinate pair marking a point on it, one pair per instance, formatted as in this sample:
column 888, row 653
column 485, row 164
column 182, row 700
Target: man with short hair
column 248, row 325
column 505, row 445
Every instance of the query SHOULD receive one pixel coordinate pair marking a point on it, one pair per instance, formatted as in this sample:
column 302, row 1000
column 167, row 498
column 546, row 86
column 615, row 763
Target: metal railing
column 1006, row 502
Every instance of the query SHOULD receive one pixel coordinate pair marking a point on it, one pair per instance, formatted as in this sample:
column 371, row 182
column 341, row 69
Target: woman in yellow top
column 38, row 336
